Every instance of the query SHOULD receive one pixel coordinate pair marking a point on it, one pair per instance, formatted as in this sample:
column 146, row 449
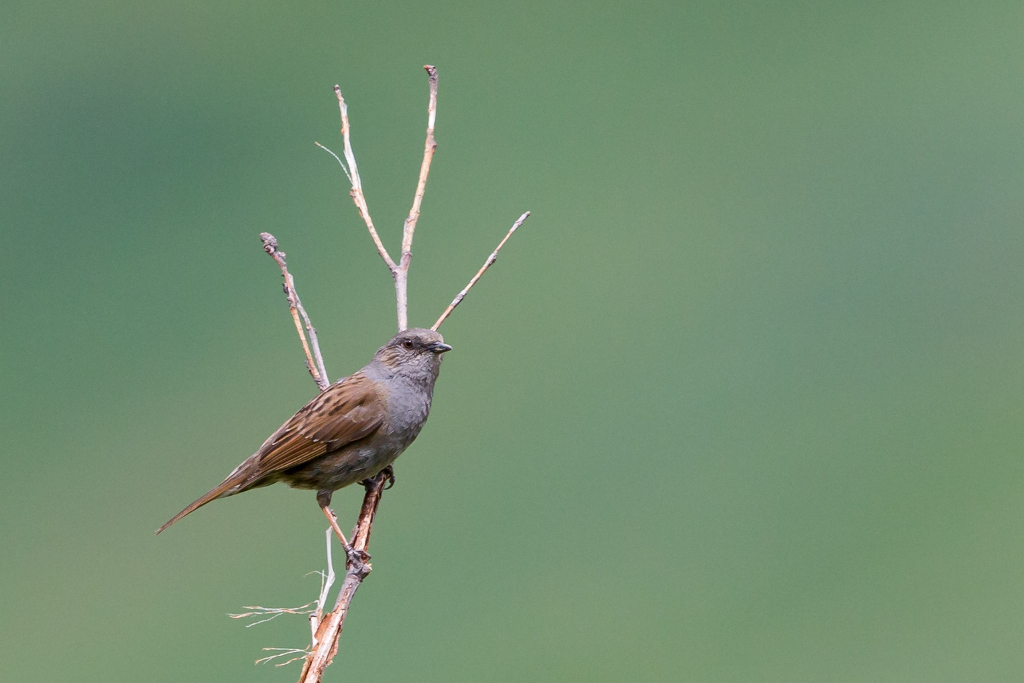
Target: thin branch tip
column 310, row 347
column 269, row 242
column 487, row 264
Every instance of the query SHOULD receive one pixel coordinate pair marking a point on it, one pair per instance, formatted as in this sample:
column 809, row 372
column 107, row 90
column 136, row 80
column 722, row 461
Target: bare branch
column 357, row 568
column 402, row 278
column 428, row 154
column 487, row 264
column 357, row 185
column 316, row 368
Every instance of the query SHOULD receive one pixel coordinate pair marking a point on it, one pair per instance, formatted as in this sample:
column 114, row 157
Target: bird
column 350, row 432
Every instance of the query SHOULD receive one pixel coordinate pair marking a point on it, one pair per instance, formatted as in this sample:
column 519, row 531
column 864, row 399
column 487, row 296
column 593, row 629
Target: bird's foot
column 388, row 473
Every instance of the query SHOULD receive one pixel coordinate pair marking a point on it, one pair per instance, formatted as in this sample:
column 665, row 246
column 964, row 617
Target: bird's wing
column 347, row 411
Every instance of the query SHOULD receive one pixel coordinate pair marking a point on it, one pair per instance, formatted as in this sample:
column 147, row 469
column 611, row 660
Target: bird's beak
column 438, row 347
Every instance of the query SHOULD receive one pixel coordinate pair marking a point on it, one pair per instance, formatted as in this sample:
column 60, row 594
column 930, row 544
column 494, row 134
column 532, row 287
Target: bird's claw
column 388, row 473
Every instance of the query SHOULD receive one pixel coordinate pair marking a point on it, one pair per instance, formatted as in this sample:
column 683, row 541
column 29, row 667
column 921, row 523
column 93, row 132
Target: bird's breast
column 408, row 405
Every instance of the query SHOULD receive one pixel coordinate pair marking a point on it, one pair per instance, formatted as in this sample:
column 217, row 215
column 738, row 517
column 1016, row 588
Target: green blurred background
column 741, row 402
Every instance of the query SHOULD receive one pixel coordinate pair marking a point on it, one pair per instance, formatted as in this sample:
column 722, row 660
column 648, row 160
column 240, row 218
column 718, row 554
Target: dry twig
column 316, row 368
column 357, row 185
column 402, row 276
column 483, row 269
column 399, row 271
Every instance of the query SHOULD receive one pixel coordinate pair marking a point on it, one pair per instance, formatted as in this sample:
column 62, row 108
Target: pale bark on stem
column 357, row 567
column 487, row 264
column 409, row 229
column 314, row 361
column 357, row 186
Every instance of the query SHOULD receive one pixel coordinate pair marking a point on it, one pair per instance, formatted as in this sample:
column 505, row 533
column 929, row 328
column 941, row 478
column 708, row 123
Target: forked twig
column 399, row 271
column 487, row 264
column 316, row 368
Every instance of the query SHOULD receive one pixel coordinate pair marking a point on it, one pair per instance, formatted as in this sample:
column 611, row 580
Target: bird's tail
column 221, row 491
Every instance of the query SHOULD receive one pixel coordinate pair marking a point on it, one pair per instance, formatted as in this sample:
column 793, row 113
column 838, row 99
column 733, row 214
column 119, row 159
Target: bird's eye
column 407, row 343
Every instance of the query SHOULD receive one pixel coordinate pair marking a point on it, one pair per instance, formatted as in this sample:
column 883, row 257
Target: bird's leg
column 323, row 499
column 357, row 558
column 333, row 519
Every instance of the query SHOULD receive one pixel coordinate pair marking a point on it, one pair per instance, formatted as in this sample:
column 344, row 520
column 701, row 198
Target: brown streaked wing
column 348, row 411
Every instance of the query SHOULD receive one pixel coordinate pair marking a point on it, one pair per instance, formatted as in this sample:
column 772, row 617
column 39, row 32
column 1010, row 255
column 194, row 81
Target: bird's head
column 413, row 351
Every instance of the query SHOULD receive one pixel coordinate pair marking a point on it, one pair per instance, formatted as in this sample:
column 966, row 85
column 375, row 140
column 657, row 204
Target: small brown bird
column 351, row 431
